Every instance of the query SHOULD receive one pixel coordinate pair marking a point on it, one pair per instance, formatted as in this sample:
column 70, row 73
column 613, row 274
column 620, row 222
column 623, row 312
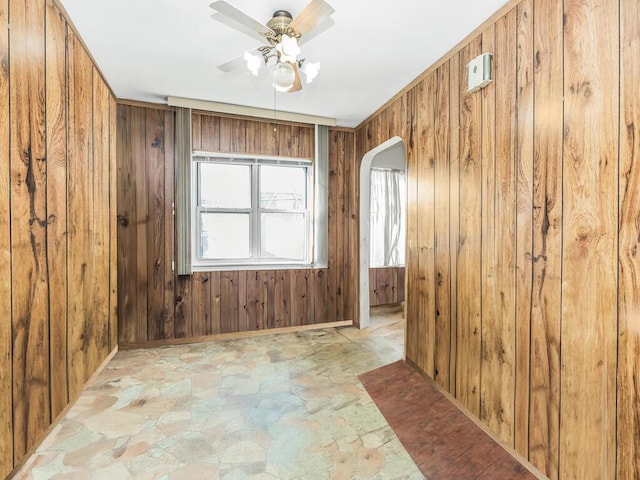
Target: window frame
column 254, row 262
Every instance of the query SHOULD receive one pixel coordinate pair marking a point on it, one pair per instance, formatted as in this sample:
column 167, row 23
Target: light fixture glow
column 288, row 49
column 310, row 70
column 283, row 76
column 253, row 62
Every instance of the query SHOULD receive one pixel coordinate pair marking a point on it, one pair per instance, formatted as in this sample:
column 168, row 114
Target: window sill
column 257, row 266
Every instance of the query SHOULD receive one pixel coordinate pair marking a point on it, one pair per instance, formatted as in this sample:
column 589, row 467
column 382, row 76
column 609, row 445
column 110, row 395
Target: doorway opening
column 390, row 156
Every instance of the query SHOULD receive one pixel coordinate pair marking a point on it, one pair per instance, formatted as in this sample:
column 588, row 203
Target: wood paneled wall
column 57, row 222
column 523, row 296
column 155, row 303
column 386, row 285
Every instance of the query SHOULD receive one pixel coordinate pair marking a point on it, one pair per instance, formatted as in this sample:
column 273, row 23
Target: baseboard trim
column 525, row 463
column 233, row 336
column 29, row 457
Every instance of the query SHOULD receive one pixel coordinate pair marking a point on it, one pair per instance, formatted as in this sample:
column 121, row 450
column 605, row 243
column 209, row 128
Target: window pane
column 224, row 235
column 283, row 187
column 283, row 235
column 225, row 186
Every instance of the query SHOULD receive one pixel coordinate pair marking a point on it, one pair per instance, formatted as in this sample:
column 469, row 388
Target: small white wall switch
column 479, row 72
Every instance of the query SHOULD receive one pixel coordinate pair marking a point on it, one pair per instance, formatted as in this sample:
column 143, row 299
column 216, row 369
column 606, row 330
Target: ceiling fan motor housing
column 280, row 21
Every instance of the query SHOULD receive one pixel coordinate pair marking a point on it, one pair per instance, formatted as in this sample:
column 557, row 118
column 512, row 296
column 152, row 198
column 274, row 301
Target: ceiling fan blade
column 297, row 84
column 317, row 30
column 231, row 16
column 315, row 12
column 237, row 62
column 232, row 64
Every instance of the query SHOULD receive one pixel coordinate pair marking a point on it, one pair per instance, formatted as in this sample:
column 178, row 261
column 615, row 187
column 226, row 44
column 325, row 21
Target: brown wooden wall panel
column 6, row 379
column 590, row 225
column 442, row 226
column 498, row 368
column 426, row 223
column 454, row 213
column 386, row 285
column 470, row 237
column 540, row 212
column 56, row 98
column 629, row 267
column 544, row 421
column 155, row 303
column 524, row 218
column 57, row 175
column 30, row 306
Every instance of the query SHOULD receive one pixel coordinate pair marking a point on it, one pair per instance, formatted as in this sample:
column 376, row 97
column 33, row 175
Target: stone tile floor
column 284, row 406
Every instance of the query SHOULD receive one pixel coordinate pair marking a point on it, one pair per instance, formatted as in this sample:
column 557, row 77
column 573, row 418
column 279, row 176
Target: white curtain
column 387, row 226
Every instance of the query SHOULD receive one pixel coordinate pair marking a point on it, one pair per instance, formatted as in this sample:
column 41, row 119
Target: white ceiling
column 151, row 49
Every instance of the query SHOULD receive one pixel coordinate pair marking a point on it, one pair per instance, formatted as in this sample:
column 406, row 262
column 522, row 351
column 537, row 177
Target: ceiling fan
column 281, row 37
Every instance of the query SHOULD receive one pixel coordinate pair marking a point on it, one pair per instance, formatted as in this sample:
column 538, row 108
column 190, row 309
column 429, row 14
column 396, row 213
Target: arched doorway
column 390, row 154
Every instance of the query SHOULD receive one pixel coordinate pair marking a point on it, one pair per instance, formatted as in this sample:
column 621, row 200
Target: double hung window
column 251, row 211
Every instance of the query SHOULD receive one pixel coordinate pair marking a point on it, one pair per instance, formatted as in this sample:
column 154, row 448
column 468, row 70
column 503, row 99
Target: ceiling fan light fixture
column 310, row 70
column 288, row 49
column 253, row 62
column 283, row 76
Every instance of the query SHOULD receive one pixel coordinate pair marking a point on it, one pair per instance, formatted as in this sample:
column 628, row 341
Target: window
column 387, row 225
column 251, row 211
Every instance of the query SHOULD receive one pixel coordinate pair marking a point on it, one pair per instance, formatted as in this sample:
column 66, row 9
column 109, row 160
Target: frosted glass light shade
column 253, row 62
column 311, row 70
column 283, row 76
column 288, row 49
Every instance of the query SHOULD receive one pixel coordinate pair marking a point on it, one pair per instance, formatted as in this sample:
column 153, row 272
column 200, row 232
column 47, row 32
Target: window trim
column 255, row 211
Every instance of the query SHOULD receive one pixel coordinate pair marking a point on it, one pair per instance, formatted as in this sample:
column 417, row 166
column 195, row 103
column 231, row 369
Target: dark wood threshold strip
column 442, row 440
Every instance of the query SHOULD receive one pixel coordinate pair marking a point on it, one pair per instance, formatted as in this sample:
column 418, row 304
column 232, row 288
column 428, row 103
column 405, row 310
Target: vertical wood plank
column 80, row 158
column 524, row 221
column 56, row 117
column 547, row 240
column 310, row 303
column 156, row 260
column 298, row 297
column 256, row 293
column 6, row 354
column 589, row 293
column 183, row 316
column 215, row 302
column 339, row 220
column 253, row 137
column 411, row 260
column 351, row 242
column 269, row 138
column 426, row 226
column 210, row 133
column 168, row 313
column 454, row 213
column 196, row 131
column 229, row 313
column 373, row 287
column 127, row 271
column 226, row 134
column 282, row 311
column 469, row 257
column 441, row 229
column 306, row 148
column 498, row 314
column 269, row 279
column 239, row 135
column 98, row 291
column 628, row 467
column 29, row 295
column 201, row 304
column 113, row 224
column 140, row 150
